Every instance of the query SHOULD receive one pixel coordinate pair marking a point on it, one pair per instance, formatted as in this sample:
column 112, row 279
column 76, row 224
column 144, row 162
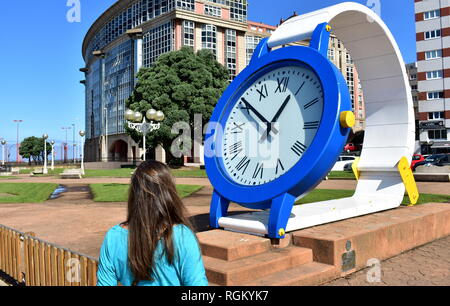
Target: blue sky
column 41, row 53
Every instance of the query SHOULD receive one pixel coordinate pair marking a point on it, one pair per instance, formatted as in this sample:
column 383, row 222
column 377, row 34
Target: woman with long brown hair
column 156, row 245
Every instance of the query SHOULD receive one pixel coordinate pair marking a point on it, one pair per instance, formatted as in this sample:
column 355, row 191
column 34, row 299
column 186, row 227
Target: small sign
column 432, row 125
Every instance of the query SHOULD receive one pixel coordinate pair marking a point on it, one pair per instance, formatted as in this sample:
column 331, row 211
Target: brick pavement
column 76, row 222
column 428, row 265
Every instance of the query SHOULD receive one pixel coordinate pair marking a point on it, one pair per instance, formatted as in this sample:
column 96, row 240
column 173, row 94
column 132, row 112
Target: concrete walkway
column 76, row 222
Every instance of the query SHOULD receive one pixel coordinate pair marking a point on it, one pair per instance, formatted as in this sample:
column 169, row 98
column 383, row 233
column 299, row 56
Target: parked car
column 342, row 161
column 417, row 158
column 438, row 160
column 351, row 147
column 348, row 167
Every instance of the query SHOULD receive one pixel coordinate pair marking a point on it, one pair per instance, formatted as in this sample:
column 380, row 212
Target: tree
column 181, row 84
column 33, row 149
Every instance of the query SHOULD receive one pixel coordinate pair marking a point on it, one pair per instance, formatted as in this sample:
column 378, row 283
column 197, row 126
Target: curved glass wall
column 145, row 10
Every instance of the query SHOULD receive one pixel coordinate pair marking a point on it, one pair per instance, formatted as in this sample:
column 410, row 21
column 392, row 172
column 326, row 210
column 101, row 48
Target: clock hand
column 248, row 105
column 275, row 119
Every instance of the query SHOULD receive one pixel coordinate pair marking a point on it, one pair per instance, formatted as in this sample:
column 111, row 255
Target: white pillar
column 3, row 156
column 45, row 171
column 82, row 155
column 53, row 158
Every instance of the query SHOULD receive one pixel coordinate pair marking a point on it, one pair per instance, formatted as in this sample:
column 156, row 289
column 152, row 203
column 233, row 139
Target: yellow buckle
column 355, row 168
column 408, row 180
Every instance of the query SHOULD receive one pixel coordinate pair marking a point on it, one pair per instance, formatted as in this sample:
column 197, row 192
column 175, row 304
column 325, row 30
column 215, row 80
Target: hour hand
column 261, row 117
column 275, row 119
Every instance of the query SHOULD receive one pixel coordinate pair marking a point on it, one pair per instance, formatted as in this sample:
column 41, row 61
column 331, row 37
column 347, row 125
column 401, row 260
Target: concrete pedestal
column 319, row 254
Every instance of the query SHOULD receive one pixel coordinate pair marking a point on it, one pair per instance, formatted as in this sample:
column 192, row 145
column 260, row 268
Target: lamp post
column 74, row 156
column 105, row 152
column 74, row 144
column 45, row 137
column 17, row 143
column 66, row 144
column 82, row 133
column 4, row 152
column 53, row 155
column 137, row 122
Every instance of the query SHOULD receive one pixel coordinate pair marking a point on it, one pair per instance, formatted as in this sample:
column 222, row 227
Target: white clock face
column 271, row 125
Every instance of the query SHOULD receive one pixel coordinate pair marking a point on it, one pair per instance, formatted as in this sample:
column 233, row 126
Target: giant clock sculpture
column 282, row 123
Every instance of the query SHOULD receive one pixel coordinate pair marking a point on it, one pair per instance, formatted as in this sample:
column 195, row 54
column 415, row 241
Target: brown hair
column 154, row 207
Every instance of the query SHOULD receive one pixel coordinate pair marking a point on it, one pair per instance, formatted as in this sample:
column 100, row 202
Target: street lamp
column 53, row 155
column 137, row 122
column 45, row 137
column 105, row 152
column 82, row 133
column 4, row 152
column 17, row 143
column 74, row 156
column 66, row 143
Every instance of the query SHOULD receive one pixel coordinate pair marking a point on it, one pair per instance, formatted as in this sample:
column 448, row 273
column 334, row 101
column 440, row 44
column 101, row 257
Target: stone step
column 238, row 272
column 230, row 245
column 309, row 274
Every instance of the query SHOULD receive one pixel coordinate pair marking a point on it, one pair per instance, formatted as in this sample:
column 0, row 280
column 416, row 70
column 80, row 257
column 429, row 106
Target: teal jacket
column 187, row 268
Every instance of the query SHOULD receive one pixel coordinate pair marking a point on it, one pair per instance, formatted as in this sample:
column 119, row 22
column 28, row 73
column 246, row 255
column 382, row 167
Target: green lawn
column 319, row 195
column 51, row 172
column 119, row 192
column 341, row 175
column 108, row 172
column 189, row 173
column 128, row 172
column 25, row 192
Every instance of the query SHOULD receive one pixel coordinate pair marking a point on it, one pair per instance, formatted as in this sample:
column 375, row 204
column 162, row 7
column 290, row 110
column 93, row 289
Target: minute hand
column 275, row 119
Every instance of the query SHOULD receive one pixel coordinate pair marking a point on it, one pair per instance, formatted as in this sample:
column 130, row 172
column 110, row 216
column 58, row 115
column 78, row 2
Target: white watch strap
column 390, row 128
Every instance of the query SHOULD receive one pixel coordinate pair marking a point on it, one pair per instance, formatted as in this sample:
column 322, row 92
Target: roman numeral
column 301, row 86
column 282, row 84
column 311, row 103
column 243, row 164
column 279, row 164
column 298, row 148
column 238, row 128
column 235, row 148
column 313, row 125
column 245, row 108
column 262, row 92
column 258, row 171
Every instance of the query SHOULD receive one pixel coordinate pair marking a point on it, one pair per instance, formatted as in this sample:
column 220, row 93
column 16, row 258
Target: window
column 213, row 10
column 230, row 53
column 435, row 95
column 431, row 14
column 413, row 77
column 436, row 116
column 348, row 59
column 188, row 33
column 432, row 34
column 209, row 38
column 157, row 41
column 351, row 84
column 433, row 54
column 331, row 54
column 437, row 134
column 433, row 75
column 238, row 10
column 413, row 87
column 251, row 42
column 188, row 5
